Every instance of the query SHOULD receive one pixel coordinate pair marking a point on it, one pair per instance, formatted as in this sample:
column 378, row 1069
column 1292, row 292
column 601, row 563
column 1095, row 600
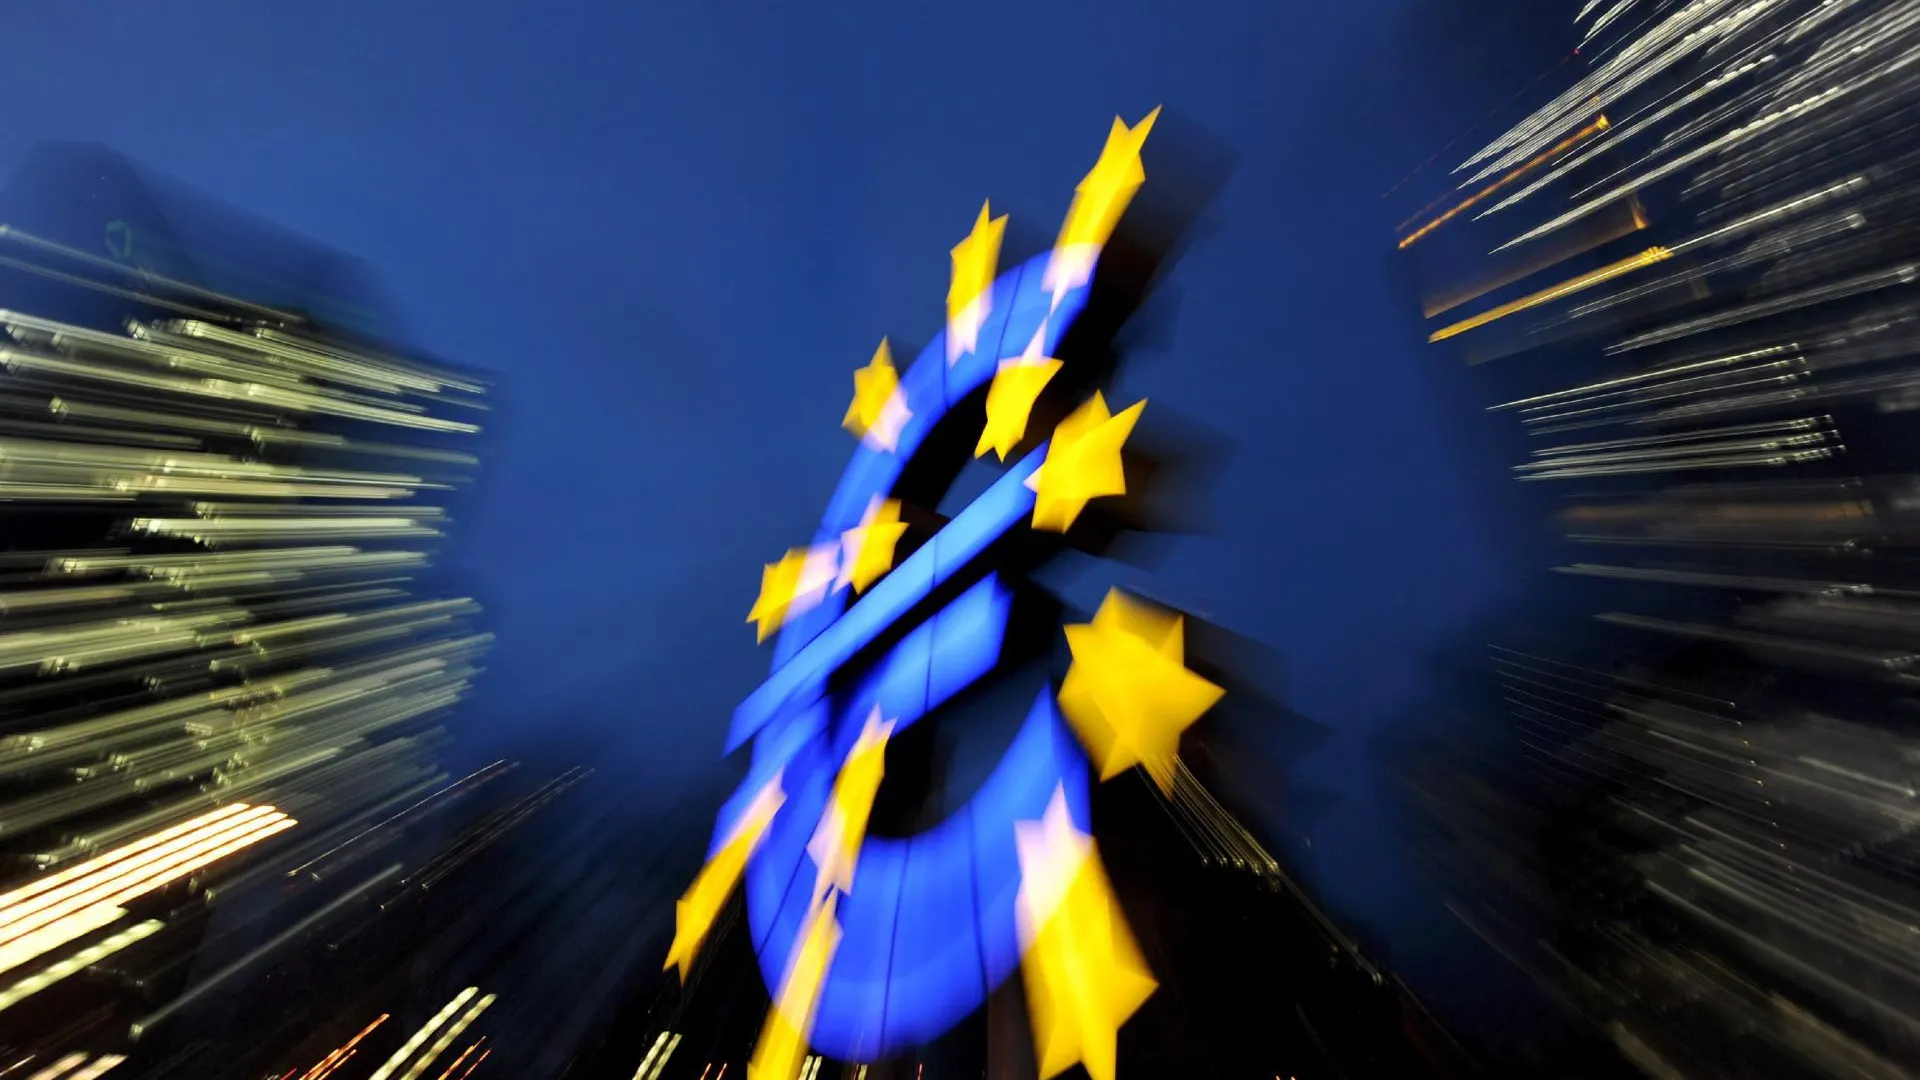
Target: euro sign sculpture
column 870, row 944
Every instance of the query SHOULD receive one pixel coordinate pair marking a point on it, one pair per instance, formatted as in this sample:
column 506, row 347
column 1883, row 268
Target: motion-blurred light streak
column 426, row 1031
column 248, row 961
column 332, row 1061
column 1564, row 289
column 61, row 1068
column 99, row 1066
column 92, row 899
column 475, row 1064
column 446, row 1038
column 1599, row 125
column 454, row 1065
column 657, row 1056
column 77, row 962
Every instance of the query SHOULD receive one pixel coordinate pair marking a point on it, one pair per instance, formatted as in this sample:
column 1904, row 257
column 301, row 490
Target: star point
column 835, row 846
column 1083, row 463
column 1128, row 694
column 835, row 849
column 879, row 410
column 783, row 1040
column 1084, row 973
column 695, row 911
column 1098, row 202
column 970, row 293
column 792, row 586
column 867, row 549
column 1017, row 384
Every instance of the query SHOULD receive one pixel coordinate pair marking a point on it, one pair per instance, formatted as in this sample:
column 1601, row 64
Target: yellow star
column 970, row 295
column 867, row 549
column 1098, row 202
column 835, row 849
column 1016, row 386
column 879, row 409
column 1083, row 463
column 835, row 846
column 792, row 586
column 1084, row 973
column 1128, row 693
column 693, row 915
column 783, row 1041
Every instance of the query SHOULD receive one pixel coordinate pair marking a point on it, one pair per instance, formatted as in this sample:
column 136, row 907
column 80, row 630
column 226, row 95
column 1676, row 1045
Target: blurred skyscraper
column 226, row 666
column 1686, row 276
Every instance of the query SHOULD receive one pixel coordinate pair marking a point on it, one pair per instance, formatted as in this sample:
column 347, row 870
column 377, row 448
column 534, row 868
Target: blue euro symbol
column 929, row 929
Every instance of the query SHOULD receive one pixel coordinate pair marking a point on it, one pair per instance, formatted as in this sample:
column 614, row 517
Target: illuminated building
column 1697, row 323
column 226, row 663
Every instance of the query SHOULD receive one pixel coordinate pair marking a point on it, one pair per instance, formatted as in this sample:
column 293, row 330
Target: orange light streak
column 331, row 1061
column 484, row 1054
column 463, row 1056
column 1599, row 125
column 348, row 1056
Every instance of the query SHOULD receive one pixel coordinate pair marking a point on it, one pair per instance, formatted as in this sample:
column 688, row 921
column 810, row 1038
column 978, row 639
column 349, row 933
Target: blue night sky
column 675, row 229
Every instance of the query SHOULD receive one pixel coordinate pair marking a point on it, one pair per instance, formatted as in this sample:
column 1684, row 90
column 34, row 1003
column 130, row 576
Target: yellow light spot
column 1016, row 386
column 879, row 410
column 970, row 294
column 867, row 549
column 1128, row 694
column 693, row 915
column 1083, row 463
column 1083, row 970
